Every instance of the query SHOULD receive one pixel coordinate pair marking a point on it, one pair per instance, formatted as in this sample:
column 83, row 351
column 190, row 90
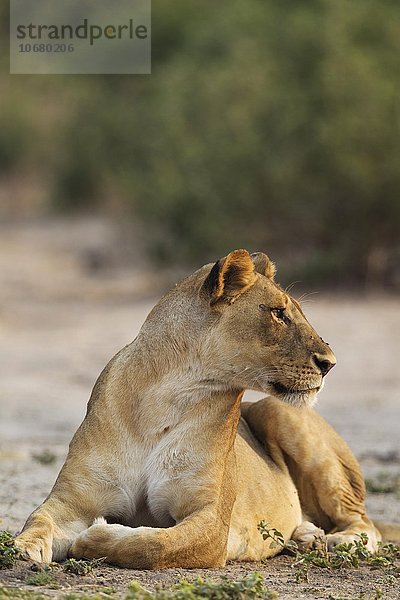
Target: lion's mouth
column 282, row 390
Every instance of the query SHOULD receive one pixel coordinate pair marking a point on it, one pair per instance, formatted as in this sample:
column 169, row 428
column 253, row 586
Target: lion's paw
column 36, row 549
column 309, row 537
column 92, row 543
column 344, row 537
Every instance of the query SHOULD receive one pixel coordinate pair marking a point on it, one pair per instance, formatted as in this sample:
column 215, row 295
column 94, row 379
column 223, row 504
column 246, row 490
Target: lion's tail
column 390, row 532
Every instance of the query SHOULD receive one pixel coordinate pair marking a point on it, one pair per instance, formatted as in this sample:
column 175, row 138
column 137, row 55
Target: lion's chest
column 172, row 475
column 153, row 485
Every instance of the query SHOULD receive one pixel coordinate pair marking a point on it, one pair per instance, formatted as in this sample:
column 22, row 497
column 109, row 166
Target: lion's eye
column 280, row 315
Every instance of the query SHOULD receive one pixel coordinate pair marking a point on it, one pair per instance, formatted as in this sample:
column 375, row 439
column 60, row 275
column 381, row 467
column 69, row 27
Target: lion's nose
column 323, row 363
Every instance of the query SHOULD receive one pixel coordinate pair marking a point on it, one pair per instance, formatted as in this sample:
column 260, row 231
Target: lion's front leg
column 197, row 542
column 49, row 531
column 200, row 504
column 77, row 498
column 36, row 540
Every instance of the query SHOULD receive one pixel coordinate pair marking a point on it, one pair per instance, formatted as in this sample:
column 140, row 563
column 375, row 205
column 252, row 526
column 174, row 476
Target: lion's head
column 259, row 337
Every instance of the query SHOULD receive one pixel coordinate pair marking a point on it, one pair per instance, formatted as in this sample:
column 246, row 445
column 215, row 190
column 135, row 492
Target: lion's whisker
column 306, row 295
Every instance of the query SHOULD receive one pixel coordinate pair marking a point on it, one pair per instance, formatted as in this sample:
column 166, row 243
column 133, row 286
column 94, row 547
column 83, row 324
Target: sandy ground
column 65, row 309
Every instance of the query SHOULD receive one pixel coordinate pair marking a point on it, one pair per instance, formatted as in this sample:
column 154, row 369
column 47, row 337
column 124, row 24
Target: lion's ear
column 263, row 264
column 230, row 277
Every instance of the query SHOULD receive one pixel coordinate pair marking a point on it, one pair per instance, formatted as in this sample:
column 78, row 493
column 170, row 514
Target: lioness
column 165, row 470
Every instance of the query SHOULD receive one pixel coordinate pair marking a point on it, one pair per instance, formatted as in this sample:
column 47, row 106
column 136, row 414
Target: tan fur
column 164, row 472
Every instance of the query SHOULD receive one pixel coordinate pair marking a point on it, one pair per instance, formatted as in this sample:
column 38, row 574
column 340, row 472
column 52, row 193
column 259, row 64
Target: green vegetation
column 250, row 587
column 384, row 483
column 267, row 125
column 376, row 595
column 8, row 552
column 45, row 457
column 96, row 593
column 350, row 555
column 43, row 578
column 16, row 594
column 81, row 567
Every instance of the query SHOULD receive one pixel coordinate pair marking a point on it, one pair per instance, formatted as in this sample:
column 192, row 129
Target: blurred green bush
column 268, row 125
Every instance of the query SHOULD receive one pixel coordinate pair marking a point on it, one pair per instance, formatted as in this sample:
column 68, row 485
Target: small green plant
column 81, row 567
column 45, row 457
column 303, row 561
column 250, row 587
column 137, row 592
column 351, row 554
column 16, row 594
column 100, row 594
column 387, row 550
column 276, row 537
column 377, row 594
column 43, row 578
column 384, row 483
column 8, row 552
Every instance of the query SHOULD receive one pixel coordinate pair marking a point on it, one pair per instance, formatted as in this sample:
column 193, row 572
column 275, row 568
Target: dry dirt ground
column 65, row 309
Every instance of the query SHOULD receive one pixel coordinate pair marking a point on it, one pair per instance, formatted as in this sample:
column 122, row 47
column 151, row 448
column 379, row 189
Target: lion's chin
column 303, row 397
